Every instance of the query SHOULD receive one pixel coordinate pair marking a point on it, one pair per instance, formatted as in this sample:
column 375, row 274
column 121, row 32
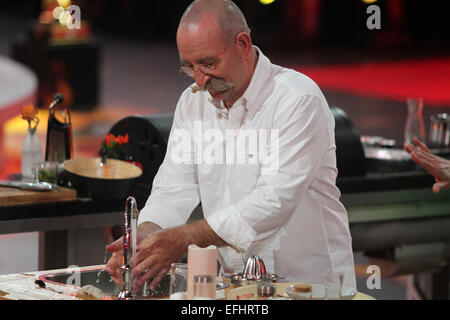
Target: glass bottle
column 31, row 153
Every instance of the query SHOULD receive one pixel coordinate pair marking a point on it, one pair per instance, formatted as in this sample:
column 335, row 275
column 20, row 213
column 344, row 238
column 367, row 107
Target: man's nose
column 201, row 78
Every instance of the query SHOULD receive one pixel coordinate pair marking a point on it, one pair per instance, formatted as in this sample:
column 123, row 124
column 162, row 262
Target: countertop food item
column 303, row 291
column 90, row 292
column 302, row 287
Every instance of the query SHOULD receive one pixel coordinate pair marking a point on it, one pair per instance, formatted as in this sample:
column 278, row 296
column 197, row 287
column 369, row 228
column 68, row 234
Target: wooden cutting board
column 16, row 197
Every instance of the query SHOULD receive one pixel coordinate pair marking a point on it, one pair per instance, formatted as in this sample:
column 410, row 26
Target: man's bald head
column 224, row 13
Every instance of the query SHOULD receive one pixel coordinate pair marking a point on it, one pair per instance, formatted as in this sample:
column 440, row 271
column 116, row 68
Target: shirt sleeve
column 305, row 127
column 175, row 193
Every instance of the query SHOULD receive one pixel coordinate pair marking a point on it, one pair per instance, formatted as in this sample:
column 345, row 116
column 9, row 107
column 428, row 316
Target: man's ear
column 244, row 43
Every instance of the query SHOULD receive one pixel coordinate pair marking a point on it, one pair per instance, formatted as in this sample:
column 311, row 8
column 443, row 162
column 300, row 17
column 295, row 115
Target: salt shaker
column 266, row 290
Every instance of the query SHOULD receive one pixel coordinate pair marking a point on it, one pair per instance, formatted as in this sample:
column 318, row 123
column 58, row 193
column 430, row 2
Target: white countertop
column 21, row 286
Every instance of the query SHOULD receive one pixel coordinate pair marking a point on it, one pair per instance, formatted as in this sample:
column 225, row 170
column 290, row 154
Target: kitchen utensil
column 37, row 186
column 255, row 268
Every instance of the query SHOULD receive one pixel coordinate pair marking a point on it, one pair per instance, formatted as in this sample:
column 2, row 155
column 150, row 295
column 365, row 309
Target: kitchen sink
column 100, row 279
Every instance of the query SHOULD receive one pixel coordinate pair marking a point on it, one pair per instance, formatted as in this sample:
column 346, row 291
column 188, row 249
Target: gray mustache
column 213, row 84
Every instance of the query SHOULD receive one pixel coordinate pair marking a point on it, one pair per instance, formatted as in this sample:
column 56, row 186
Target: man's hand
column 438, row 167
column 115, row 262
column 158, row 251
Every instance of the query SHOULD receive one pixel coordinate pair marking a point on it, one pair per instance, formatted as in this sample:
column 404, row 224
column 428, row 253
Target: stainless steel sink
column 100, row 279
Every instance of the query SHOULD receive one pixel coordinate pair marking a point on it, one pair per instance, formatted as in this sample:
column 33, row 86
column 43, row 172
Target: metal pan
column 115, row 179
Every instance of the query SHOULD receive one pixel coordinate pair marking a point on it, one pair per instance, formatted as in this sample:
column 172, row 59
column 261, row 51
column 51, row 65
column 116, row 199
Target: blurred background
column 122, row 60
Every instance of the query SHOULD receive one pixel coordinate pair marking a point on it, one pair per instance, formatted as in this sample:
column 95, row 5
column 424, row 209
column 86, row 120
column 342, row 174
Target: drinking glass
column 178, row 281
column 47, row 171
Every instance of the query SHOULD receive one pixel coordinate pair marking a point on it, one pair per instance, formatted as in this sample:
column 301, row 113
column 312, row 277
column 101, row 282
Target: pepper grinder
column 59, row 134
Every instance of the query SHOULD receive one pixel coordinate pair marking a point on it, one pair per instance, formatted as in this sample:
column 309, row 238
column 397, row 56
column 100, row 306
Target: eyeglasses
column 205, row 68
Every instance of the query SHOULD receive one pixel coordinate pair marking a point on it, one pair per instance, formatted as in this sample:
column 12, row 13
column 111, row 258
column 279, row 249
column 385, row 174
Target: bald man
column 281, row 204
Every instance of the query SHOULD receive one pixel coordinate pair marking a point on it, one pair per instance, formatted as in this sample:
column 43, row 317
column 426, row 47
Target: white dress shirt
column 291, row 216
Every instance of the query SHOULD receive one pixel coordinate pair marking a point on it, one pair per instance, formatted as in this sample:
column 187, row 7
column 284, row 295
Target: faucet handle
column 134, row 210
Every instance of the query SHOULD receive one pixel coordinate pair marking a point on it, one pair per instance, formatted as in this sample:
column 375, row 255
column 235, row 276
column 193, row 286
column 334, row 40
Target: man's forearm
column 201, row 234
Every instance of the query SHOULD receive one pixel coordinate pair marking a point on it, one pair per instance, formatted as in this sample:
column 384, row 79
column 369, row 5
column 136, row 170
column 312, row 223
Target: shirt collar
column 257, row 83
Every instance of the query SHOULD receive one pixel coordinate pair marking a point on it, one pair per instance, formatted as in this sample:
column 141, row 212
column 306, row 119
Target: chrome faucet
column 129, row 246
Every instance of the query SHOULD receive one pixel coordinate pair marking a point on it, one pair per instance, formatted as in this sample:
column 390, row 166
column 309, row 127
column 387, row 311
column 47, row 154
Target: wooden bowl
column 115, row 179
